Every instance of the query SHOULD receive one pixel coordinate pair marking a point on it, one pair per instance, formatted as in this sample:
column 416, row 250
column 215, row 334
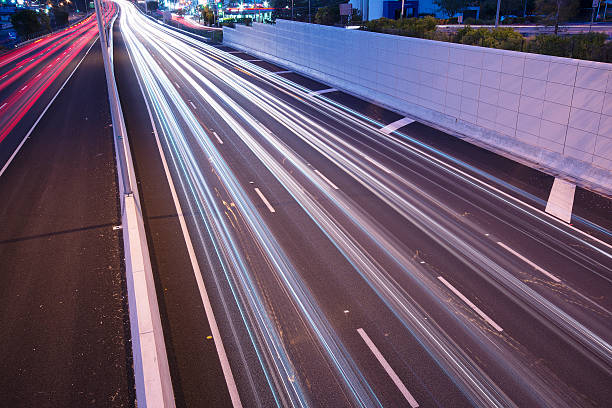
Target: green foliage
column 451, row 7
column 152, row 5
column 30, row 22
column 61, row 17
column 207, row 15
column 503, row 38
column 328, row 15
column 411, row 27
column 591, row 46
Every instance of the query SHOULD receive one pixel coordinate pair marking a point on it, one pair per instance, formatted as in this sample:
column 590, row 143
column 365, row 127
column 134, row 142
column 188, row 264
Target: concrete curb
column 151, row 369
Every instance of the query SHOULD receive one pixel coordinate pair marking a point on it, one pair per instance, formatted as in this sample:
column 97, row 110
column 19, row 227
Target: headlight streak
column 312, row 133
column 257, row 96
column 354, row 380
column 488, row 395
column 346, row 164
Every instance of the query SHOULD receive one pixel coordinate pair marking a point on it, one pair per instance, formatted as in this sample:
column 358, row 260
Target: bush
column 328, row 15
column 60, row 16
column 591, row 46
column 410, row 27
column 30, row 22
column 503, row 38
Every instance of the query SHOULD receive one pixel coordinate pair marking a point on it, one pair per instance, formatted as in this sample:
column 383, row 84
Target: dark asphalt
column 65, row 338
column 416, row 223
column 194, row 365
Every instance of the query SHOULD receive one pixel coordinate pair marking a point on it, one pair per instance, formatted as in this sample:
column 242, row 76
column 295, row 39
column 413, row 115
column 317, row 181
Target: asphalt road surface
column 347, row 265
column 65, row 339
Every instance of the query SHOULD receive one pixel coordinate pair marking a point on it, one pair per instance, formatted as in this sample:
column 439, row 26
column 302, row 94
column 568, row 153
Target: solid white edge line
column 9, row 161
column 214, row 328
column 265, row 200
column 528, row 262
column 470, row 304
column 383, row 362
column 335, row 187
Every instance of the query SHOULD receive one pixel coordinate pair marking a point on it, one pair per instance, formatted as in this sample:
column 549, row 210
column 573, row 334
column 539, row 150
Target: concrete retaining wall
column 550, row 112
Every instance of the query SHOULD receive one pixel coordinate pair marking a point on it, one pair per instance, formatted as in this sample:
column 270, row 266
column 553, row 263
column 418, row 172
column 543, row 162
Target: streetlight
column 497, row 13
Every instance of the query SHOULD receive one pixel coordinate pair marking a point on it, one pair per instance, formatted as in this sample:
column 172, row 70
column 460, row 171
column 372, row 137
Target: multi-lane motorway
column 334, row 262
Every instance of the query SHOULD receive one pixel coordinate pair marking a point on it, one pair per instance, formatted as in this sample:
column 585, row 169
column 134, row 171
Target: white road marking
column 192, row 105
column 282, row 72
column 561, row 200
column 392, row 127
column 234, row 52
column 225, row 366
column 10, row 160
column 265, row 200
column 335, row 187
column 254, row 60
column 217, row 137
column 177, row 85
column 322, row 91
column 383, row 362
column 24, row 88
column 3, row 105
column 3, row 76
column 470, row 304
column 528, row 262
column 39, row 74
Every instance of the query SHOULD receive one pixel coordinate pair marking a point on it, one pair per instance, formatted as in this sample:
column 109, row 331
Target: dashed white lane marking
column 561, row 200
column 192, row 105
column 392, row 127
column 39, row 74
column 282, row 72
column 24, row 88
column 177, row 85
column 322, row 91
column 217, row 137
column 3, row 105
column 528, row 262
column 265, row 200
column 335, row 187
column 383, row 362
column 470, row 304
column 254, row 60
column 234, row 52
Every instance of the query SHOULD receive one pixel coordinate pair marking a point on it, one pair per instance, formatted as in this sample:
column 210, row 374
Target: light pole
column 497, row 13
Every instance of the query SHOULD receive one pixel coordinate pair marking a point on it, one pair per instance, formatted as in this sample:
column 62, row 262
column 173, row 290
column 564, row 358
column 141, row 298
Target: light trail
column 27, row 95
column 282, row 378
column 434, row 218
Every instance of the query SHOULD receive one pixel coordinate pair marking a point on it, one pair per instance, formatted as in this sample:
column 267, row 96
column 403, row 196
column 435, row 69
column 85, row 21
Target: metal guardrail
column 151, row 369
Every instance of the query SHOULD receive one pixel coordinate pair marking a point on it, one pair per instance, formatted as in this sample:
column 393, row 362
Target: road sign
column 346, row 9
column 595, row 3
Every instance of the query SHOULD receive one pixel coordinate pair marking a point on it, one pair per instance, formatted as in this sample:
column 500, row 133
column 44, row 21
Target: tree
column 60, row 16
column 558, row 10
column 29, row 22
column 328, row 15
column 152, row 5
column 450, row 7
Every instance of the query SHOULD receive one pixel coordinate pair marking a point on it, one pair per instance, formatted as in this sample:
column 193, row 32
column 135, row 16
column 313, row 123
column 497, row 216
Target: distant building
column 373, row 9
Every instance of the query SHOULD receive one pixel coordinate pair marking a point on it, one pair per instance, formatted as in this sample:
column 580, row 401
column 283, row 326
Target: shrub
column 504, row 38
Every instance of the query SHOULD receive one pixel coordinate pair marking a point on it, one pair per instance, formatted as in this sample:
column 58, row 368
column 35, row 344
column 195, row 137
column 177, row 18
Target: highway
column 65, row 339
column 334, row 261
column 32, row 73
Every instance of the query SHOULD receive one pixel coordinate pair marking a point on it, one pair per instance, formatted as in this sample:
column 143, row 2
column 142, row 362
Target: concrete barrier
column 548, row 112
